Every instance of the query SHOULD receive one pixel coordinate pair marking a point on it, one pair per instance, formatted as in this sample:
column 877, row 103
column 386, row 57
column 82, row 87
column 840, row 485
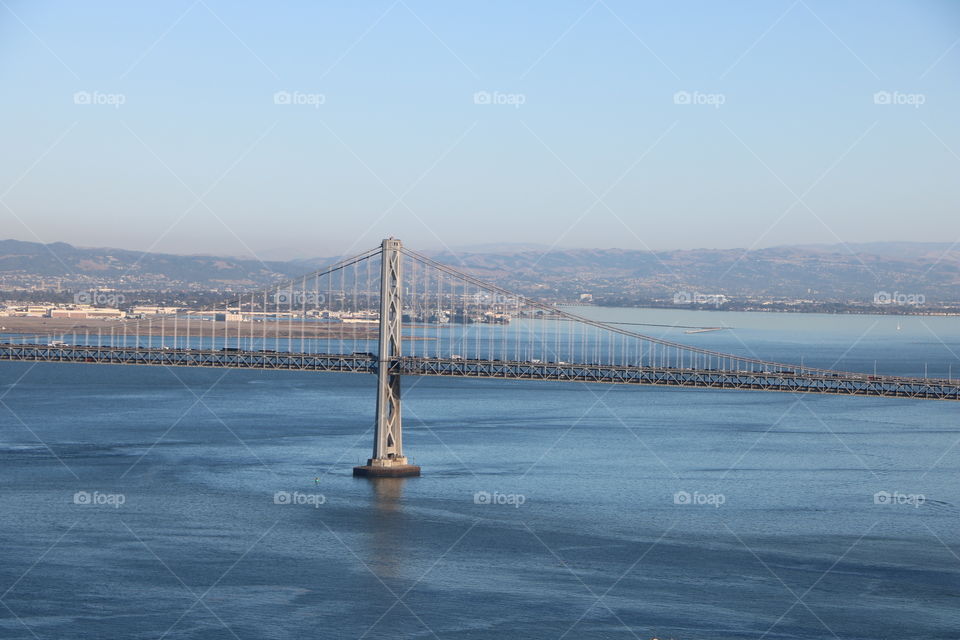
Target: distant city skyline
column 200, row 127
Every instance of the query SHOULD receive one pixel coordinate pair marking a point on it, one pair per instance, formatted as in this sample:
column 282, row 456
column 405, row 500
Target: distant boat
column 898, row 325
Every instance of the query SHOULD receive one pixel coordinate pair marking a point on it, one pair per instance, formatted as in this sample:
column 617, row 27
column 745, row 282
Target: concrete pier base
column 387, row 468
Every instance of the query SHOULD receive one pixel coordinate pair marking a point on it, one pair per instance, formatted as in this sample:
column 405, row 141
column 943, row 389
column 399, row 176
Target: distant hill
column 931, row 251
column 823, row 272
column 816, row 272
column 128, row 268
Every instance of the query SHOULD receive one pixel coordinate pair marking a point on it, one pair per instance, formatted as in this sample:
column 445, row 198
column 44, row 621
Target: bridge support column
column 388, row 459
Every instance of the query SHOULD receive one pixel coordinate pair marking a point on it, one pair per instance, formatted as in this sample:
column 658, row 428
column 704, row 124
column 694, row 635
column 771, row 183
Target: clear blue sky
column 199, row 158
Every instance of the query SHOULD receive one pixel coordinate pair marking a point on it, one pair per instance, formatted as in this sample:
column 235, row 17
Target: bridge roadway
column 839, row 383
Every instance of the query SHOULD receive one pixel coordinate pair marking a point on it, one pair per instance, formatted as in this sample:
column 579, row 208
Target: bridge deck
column 837, row 384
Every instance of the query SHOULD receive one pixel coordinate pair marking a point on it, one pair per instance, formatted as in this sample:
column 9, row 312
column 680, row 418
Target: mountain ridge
column 839, row 271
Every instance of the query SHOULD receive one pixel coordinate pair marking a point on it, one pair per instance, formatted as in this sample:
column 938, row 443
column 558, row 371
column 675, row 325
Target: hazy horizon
column 515, row 247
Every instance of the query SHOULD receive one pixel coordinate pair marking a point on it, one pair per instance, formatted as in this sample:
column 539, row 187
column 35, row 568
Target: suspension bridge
column 393, row 312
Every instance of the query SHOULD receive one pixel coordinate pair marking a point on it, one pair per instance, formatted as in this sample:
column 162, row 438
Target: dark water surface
column 546, row 510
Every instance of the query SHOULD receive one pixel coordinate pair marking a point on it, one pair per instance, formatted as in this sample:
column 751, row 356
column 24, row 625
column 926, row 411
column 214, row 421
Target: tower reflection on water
column 388, row 553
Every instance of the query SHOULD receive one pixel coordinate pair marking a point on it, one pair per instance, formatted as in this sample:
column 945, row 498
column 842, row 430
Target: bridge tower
column 388, row 459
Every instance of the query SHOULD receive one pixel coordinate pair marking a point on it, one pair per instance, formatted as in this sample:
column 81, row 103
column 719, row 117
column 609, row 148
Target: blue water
column 546, row 510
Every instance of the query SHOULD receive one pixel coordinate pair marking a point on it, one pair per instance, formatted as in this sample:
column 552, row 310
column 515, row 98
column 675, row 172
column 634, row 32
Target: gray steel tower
column 388, row 459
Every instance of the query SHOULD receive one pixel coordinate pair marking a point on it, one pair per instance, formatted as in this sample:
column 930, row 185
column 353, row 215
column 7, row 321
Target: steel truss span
column 848, row 385
column 191, row 358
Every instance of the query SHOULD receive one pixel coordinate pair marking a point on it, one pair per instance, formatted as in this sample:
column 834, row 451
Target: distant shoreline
column 811, row 311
